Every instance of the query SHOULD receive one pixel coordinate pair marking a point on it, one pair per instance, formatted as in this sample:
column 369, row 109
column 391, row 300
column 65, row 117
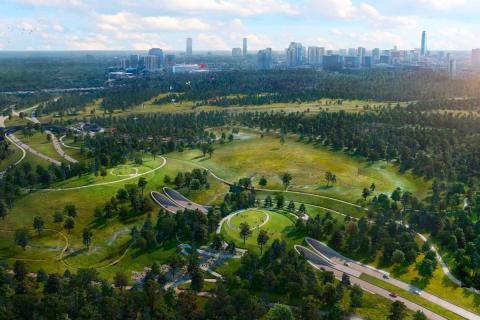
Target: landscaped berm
column 278, row 225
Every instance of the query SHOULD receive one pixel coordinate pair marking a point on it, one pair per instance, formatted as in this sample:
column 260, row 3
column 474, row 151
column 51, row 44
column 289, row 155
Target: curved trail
column 445, row 268
column 252, row 228
column 33, row 151
column 106, row 183
column 60, row 255
column 66, row 145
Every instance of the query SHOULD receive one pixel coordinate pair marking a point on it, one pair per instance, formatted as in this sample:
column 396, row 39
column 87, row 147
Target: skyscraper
column 245, row 49
column 423, row 50
column 157, row 52
column 476, row 58
column 294, row 54
column 264, row 59
column 236, row 52
column 452, row 66
column 315, row 55
column 189, row 47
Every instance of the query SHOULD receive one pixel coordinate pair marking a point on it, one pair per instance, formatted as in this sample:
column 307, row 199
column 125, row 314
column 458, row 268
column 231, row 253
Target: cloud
column 51, row 3
column 222, row 7
column 442, row 4
column 211, row 42
column 375, row 17
column 127, row 21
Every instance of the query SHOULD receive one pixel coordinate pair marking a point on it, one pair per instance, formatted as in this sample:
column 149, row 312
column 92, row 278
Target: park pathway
column 58, row 148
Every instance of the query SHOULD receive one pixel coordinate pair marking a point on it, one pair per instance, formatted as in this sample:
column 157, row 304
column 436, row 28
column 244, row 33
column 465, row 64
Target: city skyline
column 221, row 25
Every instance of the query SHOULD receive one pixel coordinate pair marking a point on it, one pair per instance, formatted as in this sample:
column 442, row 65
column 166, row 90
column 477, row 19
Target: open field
column 255, row 157
column 111, row 238
column 40, row 143
column 279, row 226
column 330, row 105
column 14, row 156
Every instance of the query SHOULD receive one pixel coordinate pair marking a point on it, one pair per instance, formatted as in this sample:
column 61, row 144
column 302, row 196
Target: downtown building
column 295, row 55
column 315, row 55
column 264, row 59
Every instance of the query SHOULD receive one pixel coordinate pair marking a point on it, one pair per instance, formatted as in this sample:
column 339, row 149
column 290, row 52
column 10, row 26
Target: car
column 346, row 264
column 416, row 291
column 322, row 269
column 385, row 276
column 393, row 294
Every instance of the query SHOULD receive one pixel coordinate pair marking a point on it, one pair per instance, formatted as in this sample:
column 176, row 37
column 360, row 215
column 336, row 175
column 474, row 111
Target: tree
column 120, row 280
column 356, row 296
column 57, row 217
column 38, row 224
column 262, row 239
column 197, row 280
column 175, row 262
column 398, row 311
column 262, row 182
column 3, row 210
column 365, row 193
column 280, row 312
column 396, row 195
column 268, row 202
column 330, row 178
column 22, row 237
column 419, row 315
column 346, row 280
column 280, row 200
column 426, row 268
column 286, row 179
column 210, row 150
column 70, row 210
column 291, row 206
column 245, row 231
column 398, row 257
column 69, row 224
column 142, row 183
column 372, row 187
column 217, row 243
column 87, row 237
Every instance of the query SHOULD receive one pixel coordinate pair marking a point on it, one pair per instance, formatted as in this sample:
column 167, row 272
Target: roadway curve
column 58, row 148
column 319, row 262
column 340, row 261
column 25, row 146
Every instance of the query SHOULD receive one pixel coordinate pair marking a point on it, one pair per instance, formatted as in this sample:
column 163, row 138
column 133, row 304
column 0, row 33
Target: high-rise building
column 476, row 58
column 361, row 52
column 264, row 59
column 423, row 50
column 352, row 62
column 151, row 62
column 157, row 52
column 315, row 55
column 375, row 55
column 452, row 66
column 352, row 52
column 333, row 62
column 170, row 60
column 189, row 47
column 134, row 60
column 245, row 48
column 294, row 55
column 236, row 52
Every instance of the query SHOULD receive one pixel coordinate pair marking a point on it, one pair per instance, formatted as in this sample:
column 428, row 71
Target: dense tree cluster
column 65, row 105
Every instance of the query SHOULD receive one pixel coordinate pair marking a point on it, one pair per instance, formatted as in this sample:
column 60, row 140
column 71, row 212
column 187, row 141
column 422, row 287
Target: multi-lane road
column 320, row 255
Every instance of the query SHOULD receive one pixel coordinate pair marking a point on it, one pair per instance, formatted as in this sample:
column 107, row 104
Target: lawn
column 40, row 143
column 111, row 238
column 14, row 155
column 307, row 163
column 279, row 226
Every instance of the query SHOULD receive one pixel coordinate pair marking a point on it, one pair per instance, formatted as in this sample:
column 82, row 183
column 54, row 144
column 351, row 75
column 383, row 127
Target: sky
column 221, row 24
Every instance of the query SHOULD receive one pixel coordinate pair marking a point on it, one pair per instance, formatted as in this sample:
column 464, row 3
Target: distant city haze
column 222, row 25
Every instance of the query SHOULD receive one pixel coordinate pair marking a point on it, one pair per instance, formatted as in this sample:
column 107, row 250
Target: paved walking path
column 109, row 182
column 66, row 145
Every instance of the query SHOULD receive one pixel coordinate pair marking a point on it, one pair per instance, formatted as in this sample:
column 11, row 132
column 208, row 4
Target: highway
column 339, row 260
